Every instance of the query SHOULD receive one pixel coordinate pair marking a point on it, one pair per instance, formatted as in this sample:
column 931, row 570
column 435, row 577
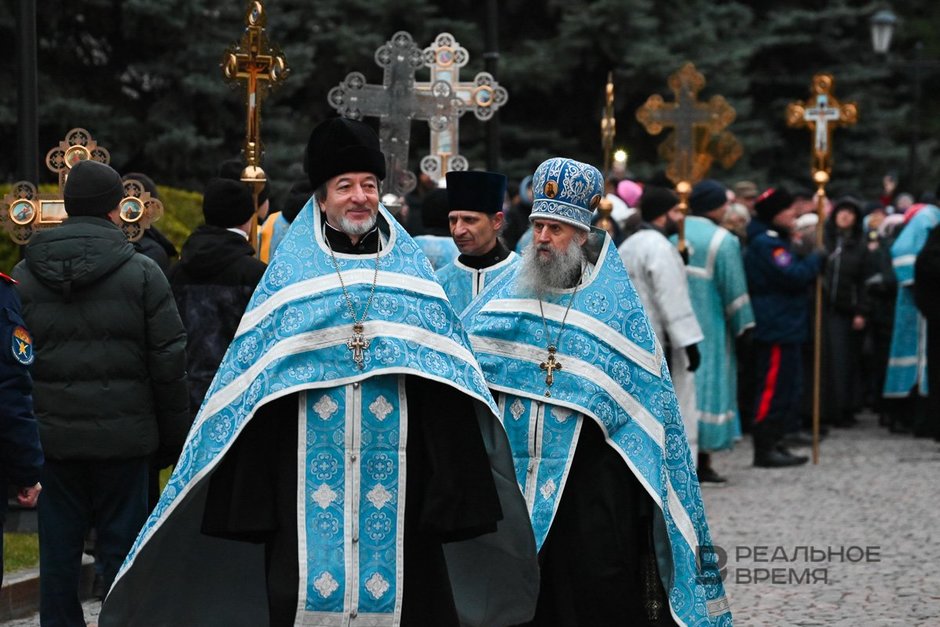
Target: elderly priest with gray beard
column 347, row 466
column 598, row 442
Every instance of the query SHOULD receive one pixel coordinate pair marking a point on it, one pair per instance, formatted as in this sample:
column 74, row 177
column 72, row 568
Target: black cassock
column 598, row 564
column 450, row 495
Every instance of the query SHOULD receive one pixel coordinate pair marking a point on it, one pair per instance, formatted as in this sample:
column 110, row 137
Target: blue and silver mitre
column 566, row 190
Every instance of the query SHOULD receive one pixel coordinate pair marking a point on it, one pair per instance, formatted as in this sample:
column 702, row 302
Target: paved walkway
column 873, row 496
column 873, row 493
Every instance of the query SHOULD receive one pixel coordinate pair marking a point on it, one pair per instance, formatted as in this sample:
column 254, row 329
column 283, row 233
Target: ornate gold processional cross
column 357, row 344
column 699, row 136
column 24, row 210
column 550, row 365
column 821, row 114
column 261, row 66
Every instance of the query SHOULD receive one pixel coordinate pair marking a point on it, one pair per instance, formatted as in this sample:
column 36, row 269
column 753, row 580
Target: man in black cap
column 718, row 290
column 435, row 240
column 110, row 384
column 778, row 281
column 658, row 275
column 214, row 280
column 347, row 461
column 153, row 243
column 232, row 169
column 476, row 216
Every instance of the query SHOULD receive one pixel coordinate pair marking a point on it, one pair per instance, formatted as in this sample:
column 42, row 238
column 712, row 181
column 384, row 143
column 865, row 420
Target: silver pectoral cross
column 550, row 365
column 357, row 344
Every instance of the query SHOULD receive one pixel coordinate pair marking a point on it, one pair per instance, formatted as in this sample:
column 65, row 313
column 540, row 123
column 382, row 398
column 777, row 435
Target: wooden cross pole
column 483, row 95
column 24, row 210
column 261, row 66
column 821, row 114
column 699, row 136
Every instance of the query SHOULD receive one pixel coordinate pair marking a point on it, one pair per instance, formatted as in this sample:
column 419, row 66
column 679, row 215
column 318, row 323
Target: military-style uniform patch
column 782, row 257
column 22, row 345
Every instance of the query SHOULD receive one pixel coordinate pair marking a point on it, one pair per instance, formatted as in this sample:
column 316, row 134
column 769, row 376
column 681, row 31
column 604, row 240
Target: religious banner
column 24, row 210
column 821, row 114
column 699, row 137
column 401, row 99
column 261, row 66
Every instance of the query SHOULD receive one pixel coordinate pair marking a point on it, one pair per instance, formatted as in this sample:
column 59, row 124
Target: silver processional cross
column 400, row 99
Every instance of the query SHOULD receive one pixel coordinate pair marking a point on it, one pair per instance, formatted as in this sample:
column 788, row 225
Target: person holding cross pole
column 778, row 282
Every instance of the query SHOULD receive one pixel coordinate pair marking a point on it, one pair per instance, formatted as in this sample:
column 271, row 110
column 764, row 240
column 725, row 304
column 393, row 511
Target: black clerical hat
column 476, row 191
column 341, row 145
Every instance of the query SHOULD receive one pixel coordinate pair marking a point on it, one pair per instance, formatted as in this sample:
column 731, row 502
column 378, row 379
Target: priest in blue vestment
column 600, row 451
column 906, row 377
column 347, row 466
column 476, row 217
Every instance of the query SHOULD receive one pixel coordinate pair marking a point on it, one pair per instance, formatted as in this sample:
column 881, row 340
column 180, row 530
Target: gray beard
column 538, row 277
column 356, row 228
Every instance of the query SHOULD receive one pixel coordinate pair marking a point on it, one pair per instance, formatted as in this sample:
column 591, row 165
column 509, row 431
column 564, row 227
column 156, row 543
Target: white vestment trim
column 326, row 282
column 736, row 305
column 651, row 362
column 332, row 336
column 709, row 270
column 535, row 355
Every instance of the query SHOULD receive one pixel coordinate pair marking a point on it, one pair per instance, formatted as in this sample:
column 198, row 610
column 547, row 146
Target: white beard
column 356, row 228
column 537, row 276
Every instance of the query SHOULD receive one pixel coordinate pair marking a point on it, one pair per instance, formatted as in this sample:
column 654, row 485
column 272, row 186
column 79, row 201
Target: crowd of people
column 479, row 409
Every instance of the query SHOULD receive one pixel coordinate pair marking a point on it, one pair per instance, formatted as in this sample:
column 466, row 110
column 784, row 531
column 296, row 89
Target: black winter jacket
column 110, row 368
column 212, row 284
column 849, row 266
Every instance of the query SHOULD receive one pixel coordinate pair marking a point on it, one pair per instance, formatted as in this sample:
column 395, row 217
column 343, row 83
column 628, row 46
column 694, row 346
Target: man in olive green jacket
column 110, row 383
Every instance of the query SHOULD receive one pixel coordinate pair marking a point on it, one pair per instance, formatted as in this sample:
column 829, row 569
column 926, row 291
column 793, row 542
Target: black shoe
column 797, row 439
column 708, row 475
column 778, row 457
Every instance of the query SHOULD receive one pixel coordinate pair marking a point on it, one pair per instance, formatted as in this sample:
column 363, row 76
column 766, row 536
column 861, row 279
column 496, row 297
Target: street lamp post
column 883, row 24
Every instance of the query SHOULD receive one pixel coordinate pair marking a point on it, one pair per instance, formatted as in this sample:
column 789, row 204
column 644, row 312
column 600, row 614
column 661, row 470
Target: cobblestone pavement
column 872, row 494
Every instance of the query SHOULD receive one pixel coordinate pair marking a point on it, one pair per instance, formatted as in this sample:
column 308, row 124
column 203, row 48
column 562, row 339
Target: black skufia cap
column 476, row 191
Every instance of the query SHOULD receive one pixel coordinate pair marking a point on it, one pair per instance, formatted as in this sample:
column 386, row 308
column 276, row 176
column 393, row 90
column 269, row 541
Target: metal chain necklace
column 550, row 365
column 357, row 343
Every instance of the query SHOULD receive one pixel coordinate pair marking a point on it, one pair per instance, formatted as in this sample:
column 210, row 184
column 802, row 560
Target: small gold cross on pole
column 821, row 114
column 550, row 365
column 357, row 344
column 261, row 66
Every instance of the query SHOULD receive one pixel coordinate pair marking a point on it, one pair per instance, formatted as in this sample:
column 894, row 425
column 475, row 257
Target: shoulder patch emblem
column 782, row 257
column 22, row 346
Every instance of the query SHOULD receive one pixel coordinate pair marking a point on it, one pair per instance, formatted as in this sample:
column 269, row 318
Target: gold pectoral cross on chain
column 550, row 365
column 357, row 344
